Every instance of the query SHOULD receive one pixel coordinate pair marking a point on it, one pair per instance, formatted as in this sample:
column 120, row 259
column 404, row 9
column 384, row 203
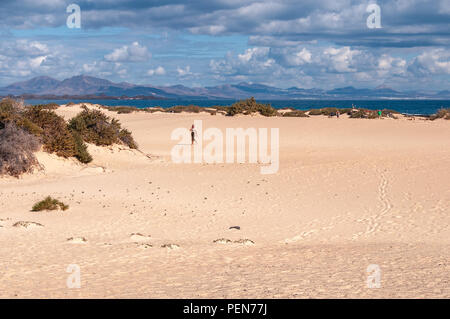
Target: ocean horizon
column 412, row 107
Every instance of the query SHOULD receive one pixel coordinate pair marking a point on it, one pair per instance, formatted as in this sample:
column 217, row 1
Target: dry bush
column 17, row 149
column 441, row 114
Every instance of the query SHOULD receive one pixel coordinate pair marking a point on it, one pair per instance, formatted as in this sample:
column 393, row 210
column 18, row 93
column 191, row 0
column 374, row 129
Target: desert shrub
column 183, row 108
column 96, row 127
column 70, row 104
column 315, row 112
column 28, row 126
column 329, row 111
column 9, row 110
column 17, row 149
column 126, row 138
column 55, row 135
column 48, row 106
column 81, row 152
column 125, row 110
column 49, row 204
column 251, row 106
column 296, row 113
column 359, row 114
column 441, row 114
column 345, row 110
column 372, row 114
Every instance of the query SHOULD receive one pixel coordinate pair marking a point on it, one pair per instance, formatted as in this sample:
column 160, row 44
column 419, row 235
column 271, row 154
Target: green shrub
column 359, row 114
column 329, row 111
column 48, row 106
column 182, row 108
column 81, row 152
column 315, row 112
column 55, row 135
column 49, row 204
column 96, row 127
column 250, row 106
column 296, row 113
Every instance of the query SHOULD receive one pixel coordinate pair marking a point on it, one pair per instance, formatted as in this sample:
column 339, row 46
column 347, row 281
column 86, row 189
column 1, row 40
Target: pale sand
column 349, row 193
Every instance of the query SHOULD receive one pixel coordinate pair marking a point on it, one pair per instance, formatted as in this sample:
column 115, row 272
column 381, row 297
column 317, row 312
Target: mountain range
column 83, row 85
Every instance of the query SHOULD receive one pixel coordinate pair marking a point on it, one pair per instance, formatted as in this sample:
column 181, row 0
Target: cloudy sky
column 303, row 43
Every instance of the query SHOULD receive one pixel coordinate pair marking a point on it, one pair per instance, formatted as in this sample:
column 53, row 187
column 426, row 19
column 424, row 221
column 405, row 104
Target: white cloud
column 133, row 53
column 435, row 61
column 158, row 71
column 184, row 72
column 341, row 59
column 302, row 57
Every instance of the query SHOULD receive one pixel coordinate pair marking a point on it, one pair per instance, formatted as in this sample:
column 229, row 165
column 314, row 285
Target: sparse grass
column 49, row 203
column 441, row 114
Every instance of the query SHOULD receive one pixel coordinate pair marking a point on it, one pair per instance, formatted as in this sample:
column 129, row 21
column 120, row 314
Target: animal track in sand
column 3, row 221
column 77, row 240
column 303, row 235
column 374, row 220
column 27, row 225
column 170, row 246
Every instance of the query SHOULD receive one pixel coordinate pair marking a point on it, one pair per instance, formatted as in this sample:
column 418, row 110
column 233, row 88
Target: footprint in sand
column 170, row 246
column 77, row 240
column 222, row 241
column 246, row 242
column 144, row 245
column 139, row 237
column 27, row 225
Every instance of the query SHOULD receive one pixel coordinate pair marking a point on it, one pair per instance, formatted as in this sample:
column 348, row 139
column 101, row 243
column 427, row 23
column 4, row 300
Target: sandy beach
column 349, row 193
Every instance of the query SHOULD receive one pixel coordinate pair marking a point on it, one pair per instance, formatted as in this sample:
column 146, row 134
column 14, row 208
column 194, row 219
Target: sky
column 285, row 43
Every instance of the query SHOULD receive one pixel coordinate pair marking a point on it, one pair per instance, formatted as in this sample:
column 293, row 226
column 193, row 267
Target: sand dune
column 349, row 193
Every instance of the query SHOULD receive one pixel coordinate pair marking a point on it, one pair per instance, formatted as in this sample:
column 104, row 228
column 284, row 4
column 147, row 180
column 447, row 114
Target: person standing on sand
column 379, row 113
column 338, row 113
column 193, row 133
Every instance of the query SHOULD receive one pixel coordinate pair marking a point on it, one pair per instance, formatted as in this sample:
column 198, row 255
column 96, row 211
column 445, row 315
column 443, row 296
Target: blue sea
column 416, row 107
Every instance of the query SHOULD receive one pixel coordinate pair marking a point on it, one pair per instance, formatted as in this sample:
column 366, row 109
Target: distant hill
column 83, row 85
